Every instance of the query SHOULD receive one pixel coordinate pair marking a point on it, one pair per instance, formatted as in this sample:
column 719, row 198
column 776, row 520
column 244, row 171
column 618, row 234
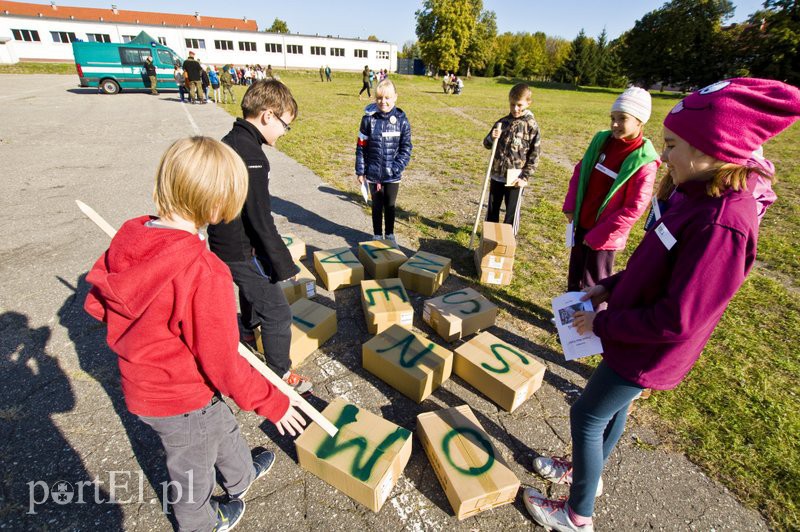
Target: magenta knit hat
column 731, row 119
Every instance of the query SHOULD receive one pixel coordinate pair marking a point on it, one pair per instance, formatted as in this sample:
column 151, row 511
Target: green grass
column 39, row 68
column 737, row 413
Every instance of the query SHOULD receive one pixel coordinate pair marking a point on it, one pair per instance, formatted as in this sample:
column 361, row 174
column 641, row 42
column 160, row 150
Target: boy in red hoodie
column 171, row 318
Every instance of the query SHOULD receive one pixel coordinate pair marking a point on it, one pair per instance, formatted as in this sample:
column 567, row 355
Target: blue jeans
column 597, row 420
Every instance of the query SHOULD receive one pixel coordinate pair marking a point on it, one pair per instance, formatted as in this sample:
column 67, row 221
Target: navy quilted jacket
column 384, row 145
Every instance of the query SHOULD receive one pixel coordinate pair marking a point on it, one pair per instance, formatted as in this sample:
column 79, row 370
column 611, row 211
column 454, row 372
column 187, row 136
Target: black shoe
column 262, row 463
column 229, row 514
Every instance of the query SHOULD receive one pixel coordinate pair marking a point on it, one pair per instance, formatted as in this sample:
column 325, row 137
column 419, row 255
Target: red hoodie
column 171, row 315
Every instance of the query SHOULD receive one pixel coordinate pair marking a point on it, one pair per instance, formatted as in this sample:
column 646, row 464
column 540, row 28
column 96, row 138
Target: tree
column 481, row 43
column 372, row 38
column 556, row 53
column 609, row 69
column 580, row 68
column 278, row 26
column 772, row 40
column 410, row 50
column 444, row 29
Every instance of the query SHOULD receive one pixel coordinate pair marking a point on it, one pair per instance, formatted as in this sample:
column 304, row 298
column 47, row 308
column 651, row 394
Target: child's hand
column 584, row 321
column 291, row 422
column 495, row 133
column 360, row 179
column 519, row 182
column 569, row 216
column 598, row 294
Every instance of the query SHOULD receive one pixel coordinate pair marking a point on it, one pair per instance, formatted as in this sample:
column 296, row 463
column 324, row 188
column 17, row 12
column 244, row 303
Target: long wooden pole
column 259, row 366
column 483, row 193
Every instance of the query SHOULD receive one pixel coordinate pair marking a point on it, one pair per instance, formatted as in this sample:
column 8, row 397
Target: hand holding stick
column 498, row 129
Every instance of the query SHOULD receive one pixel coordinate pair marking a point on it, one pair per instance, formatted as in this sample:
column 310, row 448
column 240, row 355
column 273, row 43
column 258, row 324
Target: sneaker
column 392, row 239
column 229, row 514
column 551, row 514
column 300, row 384
column 262, row 463
column 377, row 237
column 558, row 471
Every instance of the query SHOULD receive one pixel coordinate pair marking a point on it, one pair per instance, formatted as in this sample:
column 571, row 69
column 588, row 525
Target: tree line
column 684, row 43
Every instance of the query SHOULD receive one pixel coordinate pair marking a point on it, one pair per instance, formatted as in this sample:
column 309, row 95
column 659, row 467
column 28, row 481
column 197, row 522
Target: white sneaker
column 377, row 237
column 551, row 514
column 559, row 471
column 392, row 238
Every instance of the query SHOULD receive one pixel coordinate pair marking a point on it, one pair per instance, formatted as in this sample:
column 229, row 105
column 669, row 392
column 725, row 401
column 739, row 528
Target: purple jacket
column 664, row 306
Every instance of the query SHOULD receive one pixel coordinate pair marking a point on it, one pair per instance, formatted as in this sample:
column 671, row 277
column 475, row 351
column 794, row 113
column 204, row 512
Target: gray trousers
column 195, row 444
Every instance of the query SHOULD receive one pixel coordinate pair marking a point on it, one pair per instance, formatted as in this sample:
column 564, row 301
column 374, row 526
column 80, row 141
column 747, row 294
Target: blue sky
column 394, row 20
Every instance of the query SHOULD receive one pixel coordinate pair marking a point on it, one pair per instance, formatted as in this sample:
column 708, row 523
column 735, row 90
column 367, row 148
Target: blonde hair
column 383, row 85
column 730, row 175
column 201, row 180
column 268, row 94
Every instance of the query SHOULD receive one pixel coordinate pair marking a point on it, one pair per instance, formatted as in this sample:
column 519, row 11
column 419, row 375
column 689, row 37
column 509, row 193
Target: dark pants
column 182, row 92
column 498, row 193
column 196, row 444
column 587, row 267
column 365, row 87
column 264, row 305
column 383, row 201
column 597, row 420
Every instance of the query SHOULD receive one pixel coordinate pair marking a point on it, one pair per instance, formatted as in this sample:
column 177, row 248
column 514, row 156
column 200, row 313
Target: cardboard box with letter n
column 365, row 458
column 381, row 258
column 407, row 361
column 424, row 272
column 385, row 302
column 312, row 325
column 305, row 286
column 338, row 268
column 500, row 371
column 297, row 248
column 469, row 467
column 458, row 314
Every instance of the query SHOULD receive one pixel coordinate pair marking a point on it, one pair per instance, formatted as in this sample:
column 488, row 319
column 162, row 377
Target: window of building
column 98, row 37
column 317, row 50
column 26, row 35
column 381, row 55
column 63, row 36
column 246, row 46
column 360, row 53
column 162, row 41
column 337, row 52
column 223, row 45
column 128, row 38
column 196, row 43
column 274, row 48
column 133, row 56
column 294, row 48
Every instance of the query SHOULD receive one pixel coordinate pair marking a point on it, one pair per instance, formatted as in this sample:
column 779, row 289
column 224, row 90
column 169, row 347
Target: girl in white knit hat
column 609, row 190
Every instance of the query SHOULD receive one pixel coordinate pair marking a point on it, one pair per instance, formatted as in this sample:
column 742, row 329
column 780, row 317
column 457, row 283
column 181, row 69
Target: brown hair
column 201, row 180
column 520, row 91
column 268, row 94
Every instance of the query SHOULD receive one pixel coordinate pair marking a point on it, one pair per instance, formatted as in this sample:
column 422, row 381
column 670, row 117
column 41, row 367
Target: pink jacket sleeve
column 572, row 191
column 612, row 229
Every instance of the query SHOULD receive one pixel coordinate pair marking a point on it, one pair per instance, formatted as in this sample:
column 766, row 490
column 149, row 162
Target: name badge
column 391, row 134
column 610, row 173
column 666, row 237
column 656, row 208
column 569, row 237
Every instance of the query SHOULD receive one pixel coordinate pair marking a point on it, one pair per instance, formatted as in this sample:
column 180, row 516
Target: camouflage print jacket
column 518, row 146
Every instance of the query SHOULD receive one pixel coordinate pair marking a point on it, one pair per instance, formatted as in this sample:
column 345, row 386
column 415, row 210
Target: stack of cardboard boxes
column 494, row 258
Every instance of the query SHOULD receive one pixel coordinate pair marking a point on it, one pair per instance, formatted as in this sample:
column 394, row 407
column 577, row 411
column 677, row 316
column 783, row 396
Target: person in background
column 152, row 73
column 180, row 81
column 213, row 78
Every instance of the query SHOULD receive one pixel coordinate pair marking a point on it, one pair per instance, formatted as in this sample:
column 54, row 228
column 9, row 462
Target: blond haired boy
column 172, row 320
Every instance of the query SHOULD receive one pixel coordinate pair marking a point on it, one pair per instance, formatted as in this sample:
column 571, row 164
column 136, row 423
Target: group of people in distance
column 194, row 81
column 171, row 316
column 452, row 84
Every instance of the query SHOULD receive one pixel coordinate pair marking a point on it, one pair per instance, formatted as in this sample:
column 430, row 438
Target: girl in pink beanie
column 609, row 190
column 664, row 306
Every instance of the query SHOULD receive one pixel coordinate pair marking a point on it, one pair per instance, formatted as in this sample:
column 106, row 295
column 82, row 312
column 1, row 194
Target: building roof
column 113, row 15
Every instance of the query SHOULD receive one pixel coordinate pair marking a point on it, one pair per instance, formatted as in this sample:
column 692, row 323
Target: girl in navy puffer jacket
column 382, row 153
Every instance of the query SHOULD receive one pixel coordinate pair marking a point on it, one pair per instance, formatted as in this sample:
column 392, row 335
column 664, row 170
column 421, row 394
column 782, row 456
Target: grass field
column 39, row 68
column 737, row 412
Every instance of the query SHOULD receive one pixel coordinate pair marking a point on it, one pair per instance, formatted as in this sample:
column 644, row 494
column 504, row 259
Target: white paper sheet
column 574, row 345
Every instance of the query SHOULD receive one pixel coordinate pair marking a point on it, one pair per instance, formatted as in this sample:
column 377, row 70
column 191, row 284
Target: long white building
column 43, row 32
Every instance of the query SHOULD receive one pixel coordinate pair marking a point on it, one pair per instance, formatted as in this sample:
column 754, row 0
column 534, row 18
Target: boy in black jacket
column 251, row 245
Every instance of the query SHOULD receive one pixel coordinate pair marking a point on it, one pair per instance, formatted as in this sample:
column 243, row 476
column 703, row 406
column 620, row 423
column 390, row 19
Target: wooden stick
column 483, row 193
column 259, row 366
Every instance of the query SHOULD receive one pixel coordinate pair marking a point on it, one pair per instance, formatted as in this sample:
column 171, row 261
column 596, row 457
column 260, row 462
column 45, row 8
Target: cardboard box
column 469, row 467
column 500, row 371
column 296, row 247
column 409, row 362
column 385, row 302
column 497, row 239
column 497, row 262
column 381, row 258
column 304, row 287
column 365, row 458
column 338, row 268
column 312, row 325
column 492, row 275
column 424, row 272
column 459, row 314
